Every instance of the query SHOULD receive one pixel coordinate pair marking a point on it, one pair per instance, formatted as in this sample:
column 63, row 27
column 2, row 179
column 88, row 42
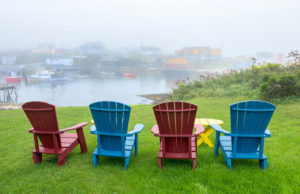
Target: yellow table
column 203, row 137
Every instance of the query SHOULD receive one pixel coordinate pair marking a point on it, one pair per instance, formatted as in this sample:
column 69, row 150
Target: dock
column 8, row 94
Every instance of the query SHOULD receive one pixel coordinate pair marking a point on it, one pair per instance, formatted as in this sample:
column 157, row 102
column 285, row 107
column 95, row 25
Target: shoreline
column 10, row 106
column 156, row 98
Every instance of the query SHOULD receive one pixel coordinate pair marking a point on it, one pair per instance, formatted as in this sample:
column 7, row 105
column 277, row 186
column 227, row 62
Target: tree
column 294, row 57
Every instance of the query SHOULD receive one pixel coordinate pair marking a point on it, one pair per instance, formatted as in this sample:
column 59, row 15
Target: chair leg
column 61, row 161
column 217, row 143
column 126, row 163
column 194, row 164
column 263, row 164
column 95, row 160
column 160, row 163
column 81, row 140
column 229, row 163
column 136, row 144
column 37, row 158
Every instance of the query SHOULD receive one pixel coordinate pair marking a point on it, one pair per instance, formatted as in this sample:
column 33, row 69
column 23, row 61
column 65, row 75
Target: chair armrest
column 218, row 128
column 155, row 130
column 42, row 132
column 78, row 126
column 93, row 129
column 198, row 130
column 267, row 133
column 137, row 129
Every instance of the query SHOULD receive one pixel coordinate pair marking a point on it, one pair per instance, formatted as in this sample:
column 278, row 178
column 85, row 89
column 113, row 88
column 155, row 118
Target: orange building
column 177, row 64
column 199, row 54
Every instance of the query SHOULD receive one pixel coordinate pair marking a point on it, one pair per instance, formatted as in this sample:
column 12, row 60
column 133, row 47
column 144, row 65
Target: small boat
column 83, row 76
column 108, row 73
column 46, row 76
column 130, row 75
column 13, row 77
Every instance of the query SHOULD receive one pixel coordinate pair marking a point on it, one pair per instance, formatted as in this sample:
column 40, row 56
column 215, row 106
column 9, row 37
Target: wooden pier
column 8, row 94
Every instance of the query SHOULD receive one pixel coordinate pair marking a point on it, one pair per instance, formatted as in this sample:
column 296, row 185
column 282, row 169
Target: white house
column 60, row 61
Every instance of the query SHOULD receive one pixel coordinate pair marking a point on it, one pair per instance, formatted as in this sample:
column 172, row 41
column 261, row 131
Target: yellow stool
column 203, row 137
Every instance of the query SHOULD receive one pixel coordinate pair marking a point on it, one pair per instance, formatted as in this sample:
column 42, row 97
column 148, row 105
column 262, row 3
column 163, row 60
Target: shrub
column 265, row 81
column 283, row 86
column 266, row 67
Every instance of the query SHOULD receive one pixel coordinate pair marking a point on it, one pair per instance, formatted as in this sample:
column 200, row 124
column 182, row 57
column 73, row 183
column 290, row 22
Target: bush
column 266, row 81
column 283, row 86
column 266, row 67
column 185, row 90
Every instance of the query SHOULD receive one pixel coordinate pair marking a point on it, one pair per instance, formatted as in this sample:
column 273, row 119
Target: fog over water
column 82, row 92
column 236, row 26
column 86, row 91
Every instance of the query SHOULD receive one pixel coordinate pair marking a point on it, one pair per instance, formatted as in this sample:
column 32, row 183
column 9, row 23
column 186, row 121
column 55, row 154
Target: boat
column 46, row 76
column 108, row 73
column 83, row 76
column 13, row 77
column 130, row 75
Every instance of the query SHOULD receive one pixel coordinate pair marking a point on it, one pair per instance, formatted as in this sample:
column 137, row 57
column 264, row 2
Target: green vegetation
column 19, row 174
column 266, row 82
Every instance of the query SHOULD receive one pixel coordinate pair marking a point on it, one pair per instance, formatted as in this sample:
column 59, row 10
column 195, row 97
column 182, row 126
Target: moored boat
column 108, row 73
column 130, row 75
column 46, row 76
column 13, row 77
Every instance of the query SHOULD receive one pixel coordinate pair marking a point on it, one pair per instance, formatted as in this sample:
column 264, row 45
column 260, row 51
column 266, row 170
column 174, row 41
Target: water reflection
column 80, row 90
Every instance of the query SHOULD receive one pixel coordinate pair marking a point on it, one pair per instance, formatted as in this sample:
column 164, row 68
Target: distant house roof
column 91, row 48
column 215, row 51
column 177, row 61
column 178, row 52
column 194, row 50
column 91, row 45
column 150, row 50
column 199, row 50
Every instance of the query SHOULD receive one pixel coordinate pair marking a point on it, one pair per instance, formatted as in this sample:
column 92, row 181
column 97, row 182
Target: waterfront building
column 177, row 64
column 200, row 54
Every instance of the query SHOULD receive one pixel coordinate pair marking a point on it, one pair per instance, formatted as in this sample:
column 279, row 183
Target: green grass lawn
column 19, row 174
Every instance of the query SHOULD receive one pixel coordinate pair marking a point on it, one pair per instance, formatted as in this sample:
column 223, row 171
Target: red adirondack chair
column 42, row 117
column 175, row 124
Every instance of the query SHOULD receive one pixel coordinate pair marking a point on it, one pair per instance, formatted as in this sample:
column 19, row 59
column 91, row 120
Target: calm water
column 82, row 92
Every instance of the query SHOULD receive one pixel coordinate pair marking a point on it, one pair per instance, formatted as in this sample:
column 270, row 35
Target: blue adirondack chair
column 249, row 121
column 111, row 123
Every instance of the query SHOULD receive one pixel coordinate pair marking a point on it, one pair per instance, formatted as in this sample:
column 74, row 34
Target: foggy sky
column 236, row 26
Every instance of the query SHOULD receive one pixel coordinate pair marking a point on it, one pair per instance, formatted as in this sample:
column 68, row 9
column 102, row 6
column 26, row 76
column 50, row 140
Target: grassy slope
column 19, row 174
